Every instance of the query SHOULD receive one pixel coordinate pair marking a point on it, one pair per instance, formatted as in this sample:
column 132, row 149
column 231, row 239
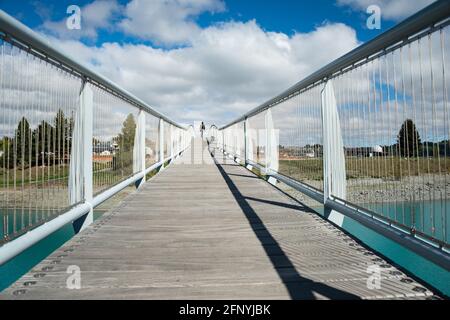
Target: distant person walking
column 202, row 128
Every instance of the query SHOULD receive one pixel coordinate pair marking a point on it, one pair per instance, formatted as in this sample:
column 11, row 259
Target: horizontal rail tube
column 16, row 30
column 416, row 23
column 11, row 249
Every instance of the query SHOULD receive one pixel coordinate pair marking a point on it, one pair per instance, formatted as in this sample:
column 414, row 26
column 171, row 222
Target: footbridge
column 338, row 188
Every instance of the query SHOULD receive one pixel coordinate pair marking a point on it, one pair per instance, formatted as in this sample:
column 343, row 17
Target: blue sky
column 285, row 16
column 208, row 59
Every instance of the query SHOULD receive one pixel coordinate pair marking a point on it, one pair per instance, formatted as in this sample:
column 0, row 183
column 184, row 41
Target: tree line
column 51, row 142
column 408, row 144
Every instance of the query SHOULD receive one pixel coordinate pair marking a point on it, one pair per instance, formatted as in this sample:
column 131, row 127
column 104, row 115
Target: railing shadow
column 280, row 204
column 298, row 286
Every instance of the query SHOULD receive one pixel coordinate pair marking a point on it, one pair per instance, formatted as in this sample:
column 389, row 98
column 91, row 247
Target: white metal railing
column 367, row 135
column 69, row 139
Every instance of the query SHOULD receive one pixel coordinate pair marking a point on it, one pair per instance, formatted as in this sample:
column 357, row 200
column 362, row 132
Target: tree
column 63, row 134
column 126, row 137
column 20, row 146
column 408, row 139
column 125, row 140
column 23, row 143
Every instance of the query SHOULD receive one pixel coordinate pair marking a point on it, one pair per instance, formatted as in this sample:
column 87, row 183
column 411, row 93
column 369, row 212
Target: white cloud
column 228, row 69
column 390, row 9
column 166, row 21
column 94, row 16
column 222, row 71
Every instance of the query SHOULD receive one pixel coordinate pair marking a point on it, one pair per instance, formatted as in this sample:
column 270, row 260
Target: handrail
column 91, row 94
column 435, row 251
column 425, row 18
column 9, row 250
column 16, row 30
column 329, row 111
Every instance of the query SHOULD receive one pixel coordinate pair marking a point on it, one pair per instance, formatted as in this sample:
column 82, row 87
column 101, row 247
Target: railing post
column 139, row 154
column 175, row 142
column 245, row 141
column 171, row 141
column 271, row 146
column 267, row 142
column 161, row 142
column 82, row 157
column 223, row 141
column 334, row 174
column 249, row 145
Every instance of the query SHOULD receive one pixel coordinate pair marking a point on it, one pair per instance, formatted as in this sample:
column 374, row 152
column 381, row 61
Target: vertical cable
column 446, row 133
column 3, row 207
column 434, row 137
column 424, row 126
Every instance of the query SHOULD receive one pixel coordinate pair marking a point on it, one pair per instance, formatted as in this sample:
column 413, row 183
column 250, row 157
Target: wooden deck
column 212, row 231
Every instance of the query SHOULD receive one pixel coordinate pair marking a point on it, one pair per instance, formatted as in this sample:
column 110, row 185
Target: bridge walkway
column 210, row 229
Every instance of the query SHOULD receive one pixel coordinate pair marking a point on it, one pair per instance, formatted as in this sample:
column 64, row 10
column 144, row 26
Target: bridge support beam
column 334, row 174
column 80, row 177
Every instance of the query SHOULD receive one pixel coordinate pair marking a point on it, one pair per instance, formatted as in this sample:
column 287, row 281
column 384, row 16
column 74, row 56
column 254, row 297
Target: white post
column 237, row 144
column 245, row 142
column 271, row 146
column 139, row 148
column 175, row 139
column 223, row 140
column 334, row 174
column 267, row 142
column 249, row 144
column 161, row 141
column 82, row 171
column 171, row 141
column 179, row 141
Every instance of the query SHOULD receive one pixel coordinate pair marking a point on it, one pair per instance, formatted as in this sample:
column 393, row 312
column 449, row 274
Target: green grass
column 305, row 169
column 376, row 167
column 152, row 173
column 395, row 167
column 35, row 175
column 59, row 174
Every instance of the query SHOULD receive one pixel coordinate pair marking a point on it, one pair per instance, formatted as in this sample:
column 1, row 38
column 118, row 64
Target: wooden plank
column 207, row 231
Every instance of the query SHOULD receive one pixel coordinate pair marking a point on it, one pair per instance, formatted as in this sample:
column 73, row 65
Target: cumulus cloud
column 229, row 68
column 390, row 9
column 95, row 16
column 166, row 21
column 218, row 73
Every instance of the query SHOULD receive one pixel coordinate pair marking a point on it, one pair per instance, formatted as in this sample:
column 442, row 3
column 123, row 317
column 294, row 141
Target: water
column 21, row 264
column 423, row 269
column 415, row 264
column 20, row 218
column 432, row 274
column 428, row 217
